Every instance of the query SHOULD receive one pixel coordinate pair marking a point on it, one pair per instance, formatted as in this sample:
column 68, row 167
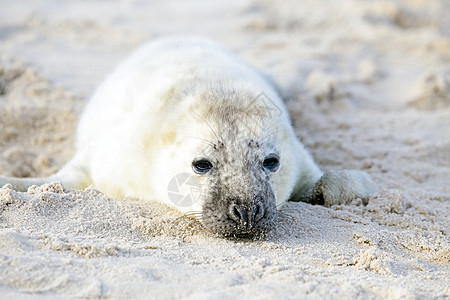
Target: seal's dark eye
column 201, row 166
column 271, row 163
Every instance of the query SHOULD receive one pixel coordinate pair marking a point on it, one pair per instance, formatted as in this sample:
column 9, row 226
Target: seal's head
column 238, row 197
column 234, row 147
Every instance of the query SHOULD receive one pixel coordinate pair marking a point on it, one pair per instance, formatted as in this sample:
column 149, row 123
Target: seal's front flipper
column 342, row 187
column 21, row 184
column 73, row 176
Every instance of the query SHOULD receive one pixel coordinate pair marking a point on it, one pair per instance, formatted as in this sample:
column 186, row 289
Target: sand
column 368, row 87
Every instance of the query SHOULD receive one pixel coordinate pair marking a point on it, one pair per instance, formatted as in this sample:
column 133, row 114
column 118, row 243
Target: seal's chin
column 229, row 229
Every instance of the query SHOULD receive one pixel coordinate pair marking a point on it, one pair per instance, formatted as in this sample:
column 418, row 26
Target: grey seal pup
column 186, row 106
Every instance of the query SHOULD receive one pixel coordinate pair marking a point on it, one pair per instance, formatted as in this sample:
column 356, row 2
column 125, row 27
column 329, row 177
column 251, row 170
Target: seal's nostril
column 239, row 215
column 236, row 212
column 258, row 212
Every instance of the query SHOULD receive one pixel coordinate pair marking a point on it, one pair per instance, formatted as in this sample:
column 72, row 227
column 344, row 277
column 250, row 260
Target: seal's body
column 187, row 106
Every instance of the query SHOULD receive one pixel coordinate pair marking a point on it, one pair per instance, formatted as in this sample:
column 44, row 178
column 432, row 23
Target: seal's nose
column 246, row 217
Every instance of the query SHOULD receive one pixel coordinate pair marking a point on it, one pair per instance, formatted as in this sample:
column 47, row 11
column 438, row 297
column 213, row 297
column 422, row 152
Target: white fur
column 133, row 136
column 135, row 103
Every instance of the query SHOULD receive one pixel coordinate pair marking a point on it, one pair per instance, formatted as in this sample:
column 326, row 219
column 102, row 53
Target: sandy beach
column 367, row 84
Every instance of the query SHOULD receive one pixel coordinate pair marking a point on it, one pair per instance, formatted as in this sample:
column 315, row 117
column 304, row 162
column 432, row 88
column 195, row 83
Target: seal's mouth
column 252, row 235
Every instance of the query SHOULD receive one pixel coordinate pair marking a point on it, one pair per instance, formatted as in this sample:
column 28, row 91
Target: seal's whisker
column 190, row 216
column 280, row 204
column 204, row 140
column 256, row 123
column 195, row 214
column 283, row 229
column 270, row 134
column 204, row 120
column 290, row 209
column 285, row 211
column 287, row 217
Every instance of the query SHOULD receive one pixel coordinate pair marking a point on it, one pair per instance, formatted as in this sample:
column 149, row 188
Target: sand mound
column 60, row 236
column 434, row 92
